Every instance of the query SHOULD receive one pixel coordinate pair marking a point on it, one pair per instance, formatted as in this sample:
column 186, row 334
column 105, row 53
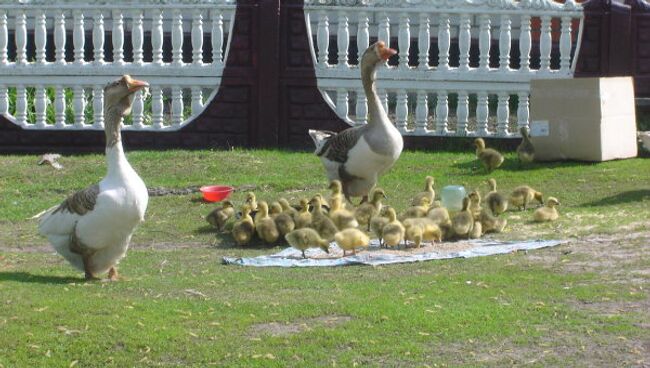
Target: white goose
column 357, row 156
column 92, row 227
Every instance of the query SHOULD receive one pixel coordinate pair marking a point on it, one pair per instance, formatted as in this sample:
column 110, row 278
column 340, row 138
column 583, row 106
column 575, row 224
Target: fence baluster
column 156, row 107
column 79, row 105
column 464, row 40
column 59, row 37
column 217, row 38
column 177, row 38
column 40, row 105
column 442, row 113
column 21, row 38
column 505, row 40
column 424, row 42
column 361, row 107
column 383, row 98
column 157, row 37
column 523, row 112
column 59, row 107
column 137, row 112
column 40, row 36
column 197, row 38
column 484, row 43
column 402, row 110
column 118, row 37
column 545, row 44
column 98, row 106
column 4, row 100
column 525, row 44
column 197, row 100
column 342, row 103
column 462, row 113
column 482, row 114
column 565, row 45
column 404, row 40
column 383, row 31
column 21, row 105
column 137, row 37
column 98, row 38
column 363, row 36
column 444, row 41
column 4, row 37
column 503, row 113
column 177, row 105
column 78, row 37
column 343, row 40
column 323, row 40
column 421, row 112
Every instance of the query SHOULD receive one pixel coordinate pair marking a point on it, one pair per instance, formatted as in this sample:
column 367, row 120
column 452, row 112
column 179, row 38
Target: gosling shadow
column 26, row 277
column 619, row 198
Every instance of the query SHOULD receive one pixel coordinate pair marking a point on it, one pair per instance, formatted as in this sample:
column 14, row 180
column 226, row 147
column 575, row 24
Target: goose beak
column 136, row 85
column 386, row 52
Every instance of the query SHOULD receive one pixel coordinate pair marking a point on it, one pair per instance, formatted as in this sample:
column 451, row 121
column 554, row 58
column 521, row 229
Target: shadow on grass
column 37, row 279
column 514, row 165
column 623, row 197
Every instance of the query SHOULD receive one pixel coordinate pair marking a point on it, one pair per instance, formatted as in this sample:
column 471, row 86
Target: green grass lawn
column 576, row 305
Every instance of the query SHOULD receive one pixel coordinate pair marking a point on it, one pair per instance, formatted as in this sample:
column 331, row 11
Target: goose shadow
column 37, row 279
column 622, row 197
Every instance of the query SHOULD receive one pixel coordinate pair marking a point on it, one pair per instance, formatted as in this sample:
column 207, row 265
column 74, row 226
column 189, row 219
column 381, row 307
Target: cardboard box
column 588, row 119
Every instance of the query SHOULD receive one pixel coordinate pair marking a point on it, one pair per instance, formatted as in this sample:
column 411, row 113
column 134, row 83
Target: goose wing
column 337, row 146
column 61, row 220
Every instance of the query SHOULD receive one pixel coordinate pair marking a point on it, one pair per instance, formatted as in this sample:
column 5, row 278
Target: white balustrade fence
column 470, row 85
column 61, row 86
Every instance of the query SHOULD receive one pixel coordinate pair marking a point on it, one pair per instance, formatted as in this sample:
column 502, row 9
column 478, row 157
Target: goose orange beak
column 136, row 85
column 385, row 52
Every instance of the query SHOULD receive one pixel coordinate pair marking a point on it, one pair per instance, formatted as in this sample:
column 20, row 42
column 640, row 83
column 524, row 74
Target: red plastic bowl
column 216, row 193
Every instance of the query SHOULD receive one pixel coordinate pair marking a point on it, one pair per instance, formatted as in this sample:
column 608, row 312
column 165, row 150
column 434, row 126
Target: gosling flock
column 92, row 228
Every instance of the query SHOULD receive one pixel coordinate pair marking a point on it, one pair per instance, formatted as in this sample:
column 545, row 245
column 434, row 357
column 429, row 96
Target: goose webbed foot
column 112, row 274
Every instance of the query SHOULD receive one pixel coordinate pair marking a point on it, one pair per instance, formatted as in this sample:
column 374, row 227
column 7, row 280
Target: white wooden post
column 464, row 41
column 177, row 38
column 118, row 37
column 484, row 43
column 402, row 110
column 157, row 40
column 216, row 38
column 424, row 42
column 505, row 39
column 98, row 38
column 59, row 107
column 78, row 37
column 342, row 102
column 462, row 113
column 323, row 40
column 482, row 114
column 383, row 98
column 177, row 105
column 545, row 44
column 523, row 111
column 40, row 105
column 21, row 105
column 363, row 38
column 197, row 38
column 4, row 100
column 404, row 40
column 40, row 36
column 565, row 45
column 197, row 100
column 138, row 110
column 444, row 41
column 343, row 40
column 156, row 107
column 503, row 113
column 525, row 44
column 137, row 38
column 383, row 31
column 79, row 105
column 4, row 37
column 98, row 106
column 442, row 113
column 421, row 112
column 59, row 37
column 21, row 38
column 361, row 107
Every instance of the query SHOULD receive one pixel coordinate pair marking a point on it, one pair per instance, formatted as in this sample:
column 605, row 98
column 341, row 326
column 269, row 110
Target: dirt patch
column 283, row 329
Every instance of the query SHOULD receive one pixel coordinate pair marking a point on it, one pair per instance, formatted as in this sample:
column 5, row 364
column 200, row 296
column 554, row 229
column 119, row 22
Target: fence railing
column 463, row 67
column 56, row 57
